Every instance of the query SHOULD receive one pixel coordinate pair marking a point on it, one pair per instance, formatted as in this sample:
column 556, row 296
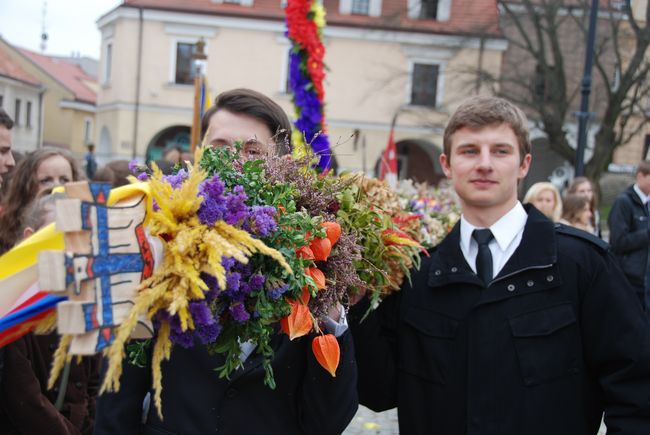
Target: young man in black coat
column 195, row 401
column 629, row 233
column 513, row 325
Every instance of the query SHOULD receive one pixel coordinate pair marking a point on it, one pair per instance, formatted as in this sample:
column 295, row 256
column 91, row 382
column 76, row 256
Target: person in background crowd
column 584, row 186
column 6, row 157
column 172, row 154
column 576, row 211
column 40, row 170
column 115, row 173
column 6, row 177
column 91, row 163
column 513, row 325
column 26, row 404
column 546, row 198
column 195, row 401
column 629, row 232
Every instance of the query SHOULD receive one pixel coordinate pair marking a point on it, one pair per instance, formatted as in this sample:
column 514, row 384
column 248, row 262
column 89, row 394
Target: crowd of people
column 521, row 321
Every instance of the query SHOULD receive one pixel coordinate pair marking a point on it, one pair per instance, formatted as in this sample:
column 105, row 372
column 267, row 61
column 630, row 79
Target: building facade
column 21, row 96
column 68, row 99
column 386, row 59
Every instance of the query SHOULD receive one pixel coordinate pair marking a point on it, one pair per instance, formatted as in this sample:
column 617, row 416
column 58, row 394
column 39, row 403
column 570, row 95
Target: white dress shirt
column 644, row 198
column 507, row 233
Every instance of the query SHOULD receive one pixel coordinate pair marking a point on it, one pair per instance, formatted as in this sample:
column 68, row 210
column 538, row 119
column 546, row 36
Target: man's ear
column 444, row 163
column 28, row 231
column 524, row 167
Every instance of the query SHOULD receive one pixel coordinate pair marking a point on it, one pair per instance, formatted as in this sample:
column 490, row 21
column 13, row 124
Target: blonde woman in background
column 546, row 198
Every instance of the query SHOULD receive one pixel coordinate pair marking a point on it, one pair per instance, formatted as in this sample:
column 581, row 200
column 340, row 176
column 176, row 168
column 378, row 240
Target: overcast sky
column 70, row 24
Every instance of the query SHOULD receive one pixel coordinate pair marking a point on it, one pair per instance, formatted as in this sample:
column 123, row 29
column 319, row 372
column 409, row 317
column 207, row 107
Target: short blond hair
column 538, row 188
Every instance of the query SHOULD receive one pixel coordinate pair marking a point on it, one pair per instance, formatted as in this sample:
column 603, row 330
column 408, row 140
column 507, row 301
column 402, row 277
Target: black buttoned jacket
column 195, row 401
column 557, row 338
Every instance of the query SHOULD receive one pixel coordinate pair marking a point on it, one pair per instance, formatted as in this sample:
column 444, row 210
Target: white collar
column 504, row 230
column 643, row 196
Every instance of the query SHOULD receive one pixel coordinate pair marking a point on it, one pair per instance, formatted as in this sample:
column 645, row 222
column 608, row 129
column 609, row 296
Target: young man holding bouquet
column 513, row 325
column 195, row 400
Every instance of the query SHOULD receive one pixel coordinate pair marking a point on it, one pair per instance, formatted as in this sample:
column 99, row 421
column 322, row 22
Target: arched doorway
column 178, row 135
column 417, row 159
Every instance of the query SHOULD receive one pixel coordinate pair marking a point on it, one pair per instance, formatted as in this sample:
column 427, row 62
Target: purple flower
column 183, row 339
column 264, row 222
column 176, row 180
column 133, row 166
column 213, row 206
column 275, row 293
column 256, row 282
column 228, row 263
column 233, row 280
column 239, row 313
column 208, row 333
column 201, row 314
column 236, row 208
column 143, row 176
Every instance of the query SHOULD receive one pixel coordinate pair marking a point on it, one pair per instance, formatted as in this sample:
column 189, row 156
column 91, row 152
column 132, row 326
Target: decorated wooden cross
column 107, row 255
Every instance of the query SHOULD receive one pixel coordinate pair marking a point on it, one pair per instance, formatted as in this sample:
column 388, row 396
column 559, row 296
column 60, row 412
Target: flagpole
column 199, row 58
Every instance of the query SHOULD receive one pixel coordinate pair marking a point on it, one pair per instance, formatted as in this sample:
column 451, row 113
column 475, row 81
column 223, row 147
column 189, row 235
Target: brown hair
column 256, row 105
column 5, row 119
column 483, row 111
column 23, row 189
column 572, row 206
column 115, row 173
column 577, row 181
column 643, row 167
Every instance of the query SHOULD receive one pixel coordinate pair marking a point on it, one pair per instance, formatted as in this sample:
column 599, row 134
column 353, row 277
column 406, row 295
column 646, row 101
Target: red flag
column 388, row 167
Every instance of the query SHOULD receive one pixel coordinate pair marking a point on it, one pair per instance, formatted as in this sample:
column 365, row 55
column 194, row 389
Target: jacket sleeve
column 121, row 412
column 329, row 403
column 616, row 342
column 375, row 340
column 30, row 411
column 622, row 239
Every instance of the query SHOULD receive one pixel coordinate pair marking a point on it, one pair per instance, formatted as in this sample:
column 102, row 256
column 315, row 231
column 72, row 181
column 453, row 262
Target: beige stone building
column 68, row 103
column 21, row 96
column 384, row 57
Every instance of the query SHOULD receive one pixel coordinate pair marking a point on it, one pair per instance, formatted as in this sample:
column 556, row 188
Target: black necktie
column 484, row 256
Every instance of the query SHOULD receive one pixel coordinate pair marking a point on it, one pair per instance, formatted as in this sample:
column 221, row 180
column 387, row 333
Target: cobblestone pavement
column 367, row 422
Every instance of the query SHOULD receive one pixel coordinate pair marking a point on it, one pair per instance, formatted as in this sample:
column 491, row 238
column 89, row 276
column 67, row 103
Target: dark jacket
column 28, row 406
column 629, row 235
column 195, row 401
column 554, row 340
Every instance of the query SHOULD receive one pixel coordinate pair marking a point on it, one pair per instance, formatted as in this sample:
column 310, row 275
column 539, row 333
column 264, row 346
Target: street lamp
column 199, row 60
column 583, row 114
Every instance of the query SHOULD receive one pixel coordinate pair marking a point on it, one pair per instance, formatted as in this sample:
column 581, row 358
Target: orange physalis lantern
column 299, row 322
column 333, row 230
column 327, row 352
column 321, row 247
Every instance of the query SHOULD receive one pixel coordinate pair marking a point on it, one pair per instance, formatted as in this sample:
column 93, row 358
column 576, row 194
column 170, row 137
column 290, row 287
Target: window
column 184, row 63
column 108, row 63
column 17, row 112
column 28, row 115
column 360, row 7
column 439, row 10
column 88, row 131
column 429, row 10
column 424, row 85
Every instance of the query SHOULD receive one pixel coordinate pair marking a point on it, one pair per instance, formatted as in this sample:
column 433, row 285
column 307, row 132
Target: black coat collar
column 538, row 248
